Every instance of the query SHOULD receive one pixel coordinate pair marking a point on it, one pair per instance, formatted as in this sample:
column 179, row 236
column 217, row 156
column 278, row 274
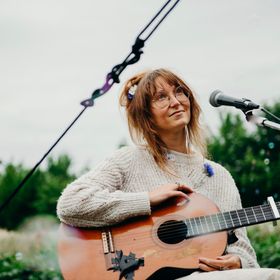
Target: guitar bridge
column 108, row 248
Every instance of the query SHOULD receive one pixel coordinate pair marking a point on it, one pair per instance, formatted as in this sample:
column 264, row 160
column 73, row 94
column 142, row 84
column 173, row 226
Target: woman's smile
column 176, row 113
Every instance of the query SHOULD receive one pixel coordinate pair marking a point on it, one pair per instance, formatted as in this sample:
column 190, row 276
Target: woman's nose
column 173, row 101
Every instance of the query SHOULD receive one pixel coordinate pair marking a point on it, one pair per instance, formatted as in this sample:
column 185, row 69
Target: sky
column 54, row 54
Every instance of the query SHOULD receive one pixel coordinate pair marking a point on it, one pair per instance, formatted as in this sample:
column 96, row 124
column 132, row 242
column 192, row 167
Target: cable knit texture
column 118, row 189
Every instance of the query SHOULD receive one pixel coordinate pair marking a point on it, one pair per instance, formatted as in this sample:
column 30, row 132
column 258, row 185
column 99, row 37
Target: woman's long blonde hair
column 140, row 121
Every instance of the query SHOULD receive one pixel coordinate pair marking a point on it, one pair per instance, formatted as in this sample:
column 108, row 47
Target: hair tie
column 131, row 92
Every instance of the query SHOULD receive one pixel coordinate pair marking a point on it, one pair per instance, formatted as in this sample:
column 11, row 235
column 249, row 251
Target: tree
column 38, row 196
column 253, row 158
column 56, row 177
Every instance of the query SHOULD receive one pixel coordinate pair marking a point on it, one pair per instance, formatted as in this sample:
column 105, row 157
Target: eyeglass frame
column 187, row 94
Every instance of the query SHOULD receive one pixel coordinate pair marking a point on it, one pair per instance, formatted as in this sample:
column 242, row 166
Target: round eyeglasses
column 162, row 99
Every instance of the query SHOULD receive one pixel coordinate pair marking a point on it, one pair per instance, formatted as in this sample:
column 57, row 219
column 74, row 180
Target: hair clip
column 131, row 92
column 208, row 169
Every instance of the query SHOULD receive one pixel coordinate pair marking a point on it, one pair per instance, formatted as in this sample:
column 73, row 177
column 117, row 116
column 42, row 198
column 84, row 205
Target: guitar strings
column 169, row 231
column 213, row 227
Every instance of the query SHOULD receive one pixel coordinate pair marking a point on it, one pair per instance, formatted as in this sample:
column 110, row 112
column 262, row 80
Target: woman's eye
column 180, row 90
column 161, row 97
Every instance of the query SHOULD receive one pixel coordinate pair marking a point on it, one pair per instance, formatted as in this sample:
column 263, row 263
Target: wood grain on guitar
column 175, row 235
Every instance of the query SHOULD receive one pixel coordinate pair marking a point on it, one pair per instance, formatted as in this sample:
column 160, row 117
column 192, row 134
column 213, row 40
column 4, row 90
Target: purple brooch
column 208, row 169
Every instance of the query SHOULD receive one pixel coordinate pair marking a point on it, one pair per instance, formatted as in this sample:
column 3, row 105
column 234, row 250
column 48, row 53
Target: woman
column 163, row 118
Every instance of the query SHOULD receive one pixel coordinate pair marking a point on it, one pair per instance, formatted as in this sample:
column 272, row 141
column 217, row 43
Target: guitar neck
column 230, row 220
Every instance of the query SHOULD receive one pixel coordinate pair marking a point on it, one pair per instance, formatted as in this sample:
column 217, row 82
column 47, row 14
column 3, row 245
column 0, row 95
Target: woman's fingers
column 167, row 191
column 185, row 188
column 221, row 263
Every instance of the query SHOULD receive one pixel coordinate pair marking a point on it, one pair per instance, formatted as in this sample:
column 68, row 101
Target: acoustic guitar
column 175, row 236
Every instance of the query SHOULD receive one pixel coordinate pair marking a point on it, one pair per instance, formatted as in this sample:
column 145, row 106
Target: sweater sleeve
column 96, row 198
column 242, row 247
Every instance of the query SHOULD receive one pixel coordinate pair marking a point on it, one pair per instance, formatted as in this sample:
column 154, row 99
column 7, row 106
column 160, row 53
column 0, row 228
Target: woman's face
column 176, row 114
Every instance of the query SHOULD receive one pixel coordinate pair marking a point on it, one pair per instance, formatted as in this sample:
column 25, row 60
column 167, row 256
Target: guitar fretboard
column 230, row 220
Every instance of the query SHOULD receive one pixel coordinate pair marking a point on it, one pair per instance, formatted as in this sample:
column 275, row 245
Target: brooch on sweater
column 208, row 169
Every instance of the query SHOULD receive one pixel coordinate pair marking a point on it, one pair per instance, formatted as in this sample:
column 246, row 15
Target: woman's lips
column 177, row 112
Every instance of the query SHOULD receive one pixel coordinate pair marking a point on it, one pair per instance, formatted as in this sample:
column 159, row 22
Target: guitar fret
column 263, row 213
column 202, row 228
column 218, row 221
column 259, row 214
column 199, row 225
column 228, row 220
column 194, row 226
column 246, row 216
column 213, row 224
column 251, row 215
column 222, row 221
column 190, row 229
column 234, row 217
column 210, row 224
column 238, row 217
column 268, row 212
column 242, row 217
column 207, row 223
column 204, row 222
column 195, row 222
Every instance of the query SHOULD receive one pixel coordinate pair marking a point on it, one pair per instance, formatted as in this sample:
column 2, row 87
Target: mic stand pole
column 260, row 121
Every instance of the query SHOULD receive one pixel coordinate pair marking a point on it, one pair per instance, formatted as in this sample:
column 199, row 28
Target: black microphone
column 217, row 98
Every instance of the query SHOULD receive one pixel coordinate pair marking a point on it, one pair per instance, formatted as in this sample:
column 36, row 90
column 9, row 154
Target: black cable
column 111, row 78
column 29, row 174
column 166, row 14
column 133, row 57
column 269, row 113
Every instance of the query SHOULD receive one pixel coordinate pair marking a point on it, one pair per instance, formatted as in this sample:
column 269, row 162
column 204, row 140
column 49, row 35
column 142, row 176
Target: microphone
column 217, row 98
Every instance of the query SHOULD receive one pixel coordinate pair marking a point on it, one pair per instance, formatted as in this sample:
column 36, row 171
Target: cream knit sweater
column 118, row 189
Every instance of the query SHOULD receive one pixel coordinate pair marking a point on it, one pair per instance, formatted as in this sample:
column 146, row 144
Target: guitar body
column 81, row 251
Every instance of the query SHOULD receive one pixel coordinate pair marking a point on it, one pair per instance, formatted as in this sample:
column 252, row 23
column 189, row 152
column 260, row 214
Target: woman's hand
column 167, row 191
column 221, row 263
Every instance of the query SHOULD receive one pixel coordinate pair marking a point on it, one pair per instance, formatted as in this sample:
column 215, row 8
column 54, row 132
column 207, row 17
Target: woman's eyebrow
column 162, row 90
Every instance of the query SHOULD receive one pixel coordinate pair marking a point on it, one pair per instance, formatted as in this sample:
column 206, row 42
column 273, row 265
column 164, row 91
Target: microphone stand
column 260, row 121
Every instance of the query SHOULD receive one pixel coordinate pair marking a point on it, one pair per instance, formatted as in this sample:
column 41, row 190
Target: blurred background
column 55, row 54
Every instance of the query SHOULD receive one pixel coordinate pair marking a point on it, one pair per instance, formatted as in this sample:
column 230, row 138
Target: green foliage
column 56, row 177
column 38, row 196
column 21, row 205
column 12, row 268
column 265, row 240
column 30, row 252
column 253, row 158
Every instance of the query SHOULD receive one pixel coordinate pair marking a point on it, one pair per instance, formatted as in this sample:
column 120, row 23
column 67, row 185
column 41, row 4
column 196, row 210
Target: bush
column 13, row 268
column 40, row 193
column 31, row 252
column 265, row 240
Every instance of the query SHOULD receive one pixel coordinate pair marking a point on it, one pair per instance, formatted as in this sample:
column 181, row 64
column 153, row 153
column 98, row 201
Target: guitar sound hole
column 172, row 232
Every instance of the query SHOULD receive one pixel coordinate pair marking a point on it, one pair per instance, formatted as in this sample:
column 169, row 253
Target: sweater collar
column 182, row 158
